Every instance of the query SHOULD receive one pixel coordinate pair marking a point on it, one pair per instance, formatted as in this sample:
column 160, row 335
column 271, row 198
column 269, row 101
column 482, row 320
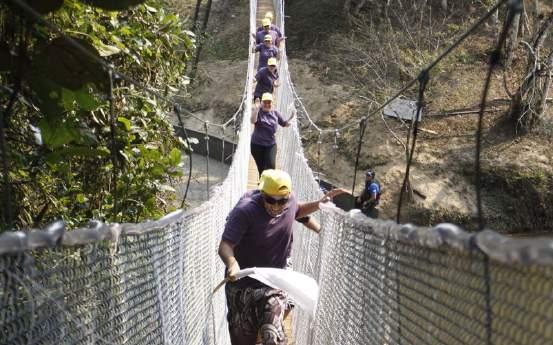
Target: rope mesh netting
column 381, row 283
column 146, row 283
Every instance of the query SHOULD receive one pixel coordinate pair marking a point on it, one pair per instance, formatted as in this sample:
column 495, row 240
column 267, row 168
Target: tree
column 76, row 144
column 529, row 102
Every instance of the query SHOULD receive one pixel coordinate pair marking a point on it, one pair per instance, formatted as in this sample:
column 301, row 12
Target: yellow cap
column 267, row 97
column 266, row 22
column 275, row 182
column 272, row 61
column 268, row 38
column 269, row 15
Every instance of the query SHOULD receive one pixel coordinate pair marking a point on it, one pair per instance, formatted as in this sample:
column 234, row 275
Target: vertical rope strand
column 206, row 137
column 7, row 197
column 176, row 109
column 113, row 135
column 335, row 147
column 362, row 127
column 515, row 7
column 223, row 129
column 235, row 135
column 319, row 144
column 424, row 76
column 397, row 281
column 488, row 292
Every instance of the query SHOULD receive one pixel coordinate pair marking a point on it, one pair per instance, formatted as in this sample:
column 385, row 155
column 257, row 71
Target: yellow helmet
column 267, row 38
column 266, row 22
column 269, row 15
column 271, row 62
column 275, row 182
column 267, row 97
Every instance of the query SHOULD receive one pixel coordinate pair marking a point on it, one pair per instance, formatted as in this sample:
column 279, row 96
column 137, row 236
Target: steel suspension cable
column 113, row 139
column 423, row 81
column 515, row 6
column 362, row 127
column 188, row 150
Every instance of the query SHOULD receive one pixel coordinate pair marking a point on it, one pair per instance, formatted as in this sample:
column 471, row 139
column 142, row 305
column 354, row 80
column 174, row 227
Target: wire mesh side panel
column 383, row 283
column 85, row 295
column 441, row 295
column 150, row 287
column 146, row 289
column 522, row 303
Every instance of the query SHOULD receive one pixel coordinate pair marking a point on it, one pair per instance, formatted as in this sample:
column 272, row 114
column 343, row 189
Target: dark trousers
column 264, row 157
column 256, row 310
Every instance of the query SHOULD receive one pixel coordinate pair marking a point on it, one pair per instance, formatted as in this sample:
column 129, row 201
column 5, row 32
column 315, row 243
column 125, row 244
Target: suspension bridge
column 380, row 282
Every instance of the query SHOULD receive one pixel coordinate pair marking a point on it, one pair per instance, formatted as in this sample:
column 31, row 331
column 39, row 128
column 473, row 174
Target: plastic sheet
column 303, row 289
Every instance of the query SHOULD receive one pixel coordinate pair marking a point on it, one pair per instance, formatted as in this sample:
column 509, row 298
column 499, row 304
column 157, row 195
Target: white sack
column 303, row 289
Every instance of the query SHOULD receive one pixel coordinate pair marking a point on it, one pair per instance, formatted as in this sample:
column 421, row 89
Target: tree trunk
column 206, row 18
column 196, row 16
column 495, row 22
column 513, row 40
column 546, row 86
column 347, row 14
column 534, row 13
column 359, row 7
column 201, row 37
column 526, row 107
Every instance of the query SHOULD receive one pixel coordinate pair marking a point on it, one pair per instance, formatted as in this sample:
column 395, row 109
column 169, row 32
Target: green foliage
column 465, row 57
column 112, row 5
column 64, row 162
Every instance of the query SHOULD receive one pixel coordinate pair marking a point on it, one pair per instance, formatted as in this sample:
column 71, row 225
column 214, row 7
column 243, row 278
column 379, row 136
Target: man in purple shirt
column 266, row 51
column 258, row 233
column 267, row 22
column 260, row 35
column 266, row 79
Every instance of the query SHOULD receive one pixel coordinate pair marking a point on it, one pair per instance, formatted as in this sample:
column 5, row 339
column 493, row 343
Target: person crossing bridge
column 258, row 233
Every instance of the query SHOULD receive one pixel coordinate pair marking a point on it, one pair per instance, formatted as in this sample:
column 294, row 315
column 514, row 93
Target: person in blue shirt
column 369, row 198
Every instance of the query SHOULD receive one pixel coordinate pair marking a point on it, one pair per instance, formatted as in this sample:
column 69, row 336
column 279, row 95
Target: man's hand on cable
column 292, row 111
column 291, row 107
column 232, row 270
column 331, row 194
column 369, row 203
